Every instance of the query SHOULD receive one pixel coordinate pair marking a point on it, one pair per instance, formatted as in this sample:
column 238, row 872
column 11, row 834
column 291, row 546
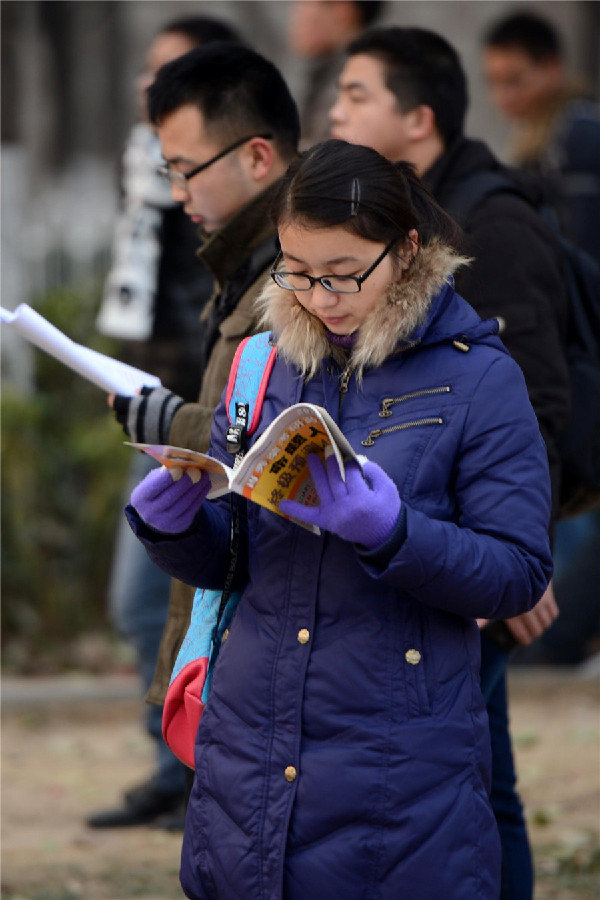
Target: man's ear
column 259, row 155
column 421, row 123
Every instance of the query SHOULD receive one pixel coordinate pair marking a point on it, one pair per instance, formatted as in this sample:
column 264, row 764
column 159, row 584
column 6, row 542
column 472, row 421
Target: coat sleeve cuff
column 380, row 556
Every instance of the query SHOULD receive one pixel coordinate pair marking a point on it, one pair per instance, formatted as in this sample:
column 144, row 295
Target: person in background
column 556, row 133
column 228, row 128
column 344, row 750
column 403, row 91
column 154, row 294
column 318, row 32
column 556, row 125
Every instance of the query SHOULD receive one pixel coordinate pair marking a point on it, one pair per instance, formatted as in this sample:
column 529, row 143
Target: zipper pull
column 344, row 379
column 370, row 440
column 461, row 345
column 385, row 411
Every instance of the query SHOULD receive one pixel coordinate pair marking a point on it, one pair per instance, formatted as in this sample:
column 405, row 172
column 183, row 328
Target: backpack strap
column 213, row 610
column 247, row 386
column 478, row 187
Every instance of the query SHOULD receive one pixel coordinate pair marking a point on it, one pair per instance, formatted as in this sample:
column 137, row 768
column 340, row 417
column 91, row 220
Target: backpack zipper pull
column 235, row 436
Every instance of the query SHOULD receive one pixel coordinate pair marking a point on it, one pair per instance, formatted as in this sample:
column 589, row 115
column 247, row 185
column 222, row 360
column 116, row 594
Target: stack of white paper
column 107, row 373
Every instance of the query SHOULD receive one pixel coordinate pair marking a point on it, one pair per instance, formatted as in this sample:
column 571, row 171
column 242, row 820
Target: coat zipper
column 344, row 380
column 379, row 432
column 391, row 401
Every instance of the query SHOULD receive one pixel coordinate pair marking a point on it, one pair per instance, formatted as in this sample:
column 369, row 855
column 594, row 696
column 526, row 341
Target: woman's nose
column 322, row 298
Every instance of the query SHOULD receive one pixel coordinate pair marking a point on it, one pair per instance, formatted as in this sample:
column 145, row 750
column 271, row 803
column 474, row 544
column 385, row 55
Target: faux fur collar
column 301, row 337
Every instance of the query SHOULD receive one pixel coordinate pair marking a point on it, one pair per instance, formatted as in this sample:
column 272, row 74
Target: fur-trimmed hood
column 302, row 338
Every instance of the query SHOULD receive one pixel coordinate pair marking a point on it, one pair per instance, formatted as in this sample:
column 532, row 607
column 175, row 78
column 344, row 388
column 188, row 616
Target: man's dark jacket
column 515, row 277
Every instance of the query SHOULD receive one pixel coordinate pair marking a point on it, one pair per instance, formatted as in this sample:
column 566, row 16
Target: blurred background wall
column 68, row 68
column 68, row 100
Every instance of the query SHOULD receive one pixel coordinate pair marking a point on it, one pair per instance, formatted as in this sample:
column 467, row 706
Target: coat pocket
column 415, row 662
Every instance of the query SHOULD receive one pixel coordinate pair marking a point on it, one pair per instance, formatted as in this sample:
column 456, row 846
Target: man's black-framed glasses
column 180, row 179
column 337, row 284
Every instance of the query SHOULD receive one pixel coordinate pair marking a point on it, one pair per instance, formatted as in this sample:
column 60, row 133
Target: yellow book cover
column 274, row 468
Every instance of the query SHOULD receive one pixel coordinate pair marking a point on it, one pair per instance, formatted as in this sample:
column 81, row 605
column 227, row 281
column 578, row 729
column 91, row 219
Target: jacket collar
column 230, row 247
column 400, row 320
column 462, row 157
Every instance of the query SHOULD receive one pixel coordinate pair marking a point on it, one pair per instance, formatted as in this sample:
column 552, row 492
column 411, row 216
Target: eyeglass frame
column 358, row 279
column 181, row 179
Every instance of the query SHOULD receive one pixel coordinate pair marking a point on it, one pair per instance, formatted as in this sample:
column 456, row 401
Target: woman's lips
column 336, row 320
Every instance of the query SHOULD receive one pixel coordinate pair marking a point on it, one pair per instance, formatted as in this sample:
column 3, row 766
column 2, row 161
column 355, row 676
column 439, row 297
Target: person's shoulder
column 581, row 113
column 461, row 339
column 512, row 212
column 480, row 186
column 578, row 134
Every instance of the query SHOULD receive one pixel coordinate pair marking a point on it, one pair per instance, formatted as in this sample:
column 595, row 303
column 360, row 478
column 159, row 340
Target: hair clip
column 355, row 203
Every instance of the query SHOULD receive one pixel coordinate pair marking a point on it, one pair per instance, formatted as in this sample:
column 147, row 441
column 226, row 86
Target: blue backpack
column 213, row 611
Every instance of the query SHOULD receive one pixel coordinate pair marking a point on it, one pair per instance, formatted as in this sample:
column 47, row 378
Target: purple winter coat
column 344, row 750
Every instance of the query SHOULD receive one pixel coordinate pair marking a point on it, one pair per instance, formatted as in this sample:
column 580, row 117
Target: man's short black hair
column 237, row 90
column 370, row 10
column 527, row 32
column 201, row 29
column 421, row 69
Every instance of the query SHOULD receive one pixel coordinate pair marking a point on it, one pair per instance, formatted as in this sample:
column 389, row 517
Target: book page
column 275, row 468
column 107, row 373
column 179, row 458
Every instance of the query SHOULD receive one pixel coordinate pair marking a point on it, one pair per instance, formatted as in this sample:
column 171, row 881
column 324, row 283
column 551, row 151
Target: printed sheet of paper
column 107, row 373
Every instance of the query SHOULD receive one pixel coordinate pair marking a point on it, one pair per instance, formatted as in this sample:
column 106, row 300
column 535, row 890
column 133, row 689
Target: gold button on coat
column 290, row 774
column 225, row 635
column 413, row 657
column 304, row 636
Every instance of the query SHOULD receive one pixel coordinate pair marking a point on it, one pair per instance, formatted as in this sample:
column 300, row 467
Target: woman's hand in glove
column 363, row 510
column 168, row 501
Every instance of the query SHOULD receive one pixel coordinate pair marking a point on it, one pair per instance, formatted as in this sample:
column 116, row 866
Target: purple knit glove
column 167, row 505
column 363, row 510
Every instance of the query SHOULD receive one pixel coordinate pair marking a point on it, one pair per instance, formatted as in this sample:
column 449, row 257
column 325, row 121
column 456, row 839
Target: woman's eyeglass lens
column 337, row 284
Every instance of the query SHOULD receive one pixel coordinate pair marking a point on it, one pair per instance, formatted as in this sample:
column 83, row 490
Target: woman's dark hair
column 336, row 183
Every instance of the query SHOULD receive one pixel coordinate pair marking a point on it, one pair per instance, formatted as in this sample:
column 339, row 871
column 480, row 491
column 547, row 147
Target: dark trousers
column 139, row 601
column 517, row 864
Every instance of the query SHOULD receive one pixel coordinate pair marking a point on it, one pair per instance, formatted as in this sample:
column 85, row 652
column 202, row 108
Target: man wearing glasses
column 228, row 129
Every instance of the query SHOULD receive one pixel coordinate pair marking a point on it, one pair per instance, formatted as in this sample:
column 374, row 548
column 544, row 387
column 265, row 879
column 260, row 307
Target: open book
column 274, row 468
column 107, row 373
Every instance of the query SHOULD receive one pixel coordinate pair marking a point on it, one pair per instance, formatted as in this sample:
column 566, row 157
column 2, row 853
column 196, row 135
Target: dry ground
column 64, row 759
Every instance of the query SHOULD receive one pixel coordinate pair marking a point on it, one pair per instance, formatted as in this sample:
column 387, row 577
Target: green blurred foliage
column 63, row 472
